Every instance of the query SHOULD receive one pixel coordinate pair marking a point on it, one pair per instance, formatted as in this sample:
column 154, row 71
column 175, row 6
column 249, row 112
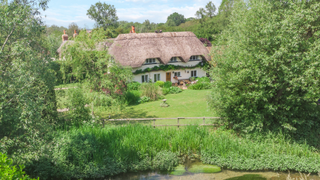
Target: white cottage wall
column 184, row 74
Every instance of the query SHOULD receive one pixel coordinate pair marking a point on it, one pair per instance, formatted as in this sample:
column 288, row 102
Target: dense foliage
column 151, row 91
column 9, row 171
column 171, row 90
column 201, row 83
column 27, row 97
column 91, row 64
column 176, row 18
column 95, row 152
column 267, row 67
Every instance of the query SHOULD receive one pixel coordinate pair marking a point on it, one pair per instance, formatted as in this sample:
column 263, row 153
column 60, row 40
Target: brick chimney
column 64, row 36
column 75, row 34
column 133, row 29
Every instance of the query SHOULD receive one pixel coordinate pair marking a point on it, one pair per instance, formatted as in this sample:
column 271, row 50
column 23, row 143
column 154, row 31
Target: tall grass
column 92, row 152
column 151, row 90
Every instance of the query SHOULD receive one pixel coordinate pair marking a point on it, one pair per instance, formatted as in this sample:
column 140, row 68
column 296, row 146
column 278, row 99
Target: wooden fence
column 154, row 121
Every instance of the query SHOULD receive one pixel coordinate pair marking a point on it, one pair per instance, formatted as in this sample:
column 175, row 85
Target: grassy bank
column 93, row 152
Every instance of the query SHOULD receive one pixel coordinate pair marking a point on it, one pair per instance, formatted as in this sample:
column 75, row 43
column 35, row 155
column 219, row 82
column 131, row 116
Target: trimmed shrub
column 160, row 83
column 133, row 86
column 167, row 84
column 151, row 90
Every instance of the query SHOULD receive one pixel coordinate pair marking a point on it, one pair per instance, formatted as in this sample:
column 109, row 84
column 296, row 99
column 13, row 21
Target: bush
column 9, row 171
column 171, row 90
column 271, row 81
column 200, row 86
column 151, row 90
column 165, row 161
column 160, row 83
column 167, row 84
column 202, row 83
column 133, row 86
column 76, row 104
column 144, row 99
column 133, row 97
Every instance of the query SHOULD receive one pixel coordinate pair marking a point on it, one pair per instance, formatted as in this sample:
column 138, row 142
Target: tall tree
column 201, row 13
column 176, row 18
column 103, row 14
column 27, row 97
column 268, row 77
column 210, row 9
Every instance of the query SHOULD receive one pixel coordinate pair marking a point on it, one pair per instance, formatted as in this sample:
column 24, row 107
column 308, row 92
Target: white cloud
column 127, row 10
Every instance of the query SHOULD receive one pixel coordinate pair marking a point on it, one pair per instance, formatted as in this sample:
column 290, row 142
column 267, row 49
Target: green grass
column 189, row 103
column 94, row 152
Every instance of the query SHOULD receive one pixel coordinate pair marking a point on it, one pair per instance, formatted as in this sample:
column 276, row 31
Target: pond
column 199, row 171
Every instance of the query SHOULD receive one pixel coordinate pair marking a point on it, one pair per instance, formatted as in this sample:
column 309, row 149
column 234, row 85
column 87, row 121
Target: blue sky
column 64, row 12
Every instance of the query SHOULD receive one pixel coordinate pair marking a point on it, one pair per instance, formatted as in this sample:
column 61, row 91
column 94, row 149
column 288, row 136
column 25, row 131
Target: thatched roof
column 100, row 46
column 133, row 49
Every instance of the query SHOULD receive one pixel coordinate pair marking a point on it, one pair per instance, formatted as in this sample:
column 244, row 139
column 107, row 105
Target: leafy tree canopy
column 176, row 18
column 210, row 9
column 104, row 14
column 94, row 65
column 267, row 67
column 27, row 97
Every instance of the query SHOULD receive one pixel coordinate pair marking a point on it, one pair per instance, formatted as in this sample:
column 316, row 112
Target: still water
column 222, row 175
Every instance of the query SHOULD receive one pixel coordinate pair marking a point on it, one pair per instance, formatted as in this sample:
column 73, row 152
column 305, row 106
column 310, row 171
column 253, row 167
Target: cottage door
column 168, row 76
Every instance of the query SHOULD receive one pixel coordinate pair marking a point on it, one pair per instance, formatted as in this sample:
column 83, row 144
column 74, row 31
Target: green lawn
column 189, row 103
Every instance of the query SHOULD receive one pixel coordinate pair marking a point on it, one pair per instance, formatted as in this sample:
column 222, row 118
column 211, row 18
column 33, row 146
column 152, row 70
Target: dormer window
column 174, row 59
column 151, row 61
column 194, row 58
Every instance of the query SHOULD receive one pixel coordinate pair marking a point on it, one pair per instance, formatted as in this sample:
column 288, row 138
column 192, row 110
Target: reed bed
column 93, row 152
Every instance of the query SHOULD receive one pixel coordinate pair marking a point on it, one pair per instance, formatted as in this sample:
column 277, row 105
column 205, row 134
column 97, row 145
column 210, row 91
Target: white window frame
column 192, row 73
column 194, row 58
column 156, row 77
column 174, row 59
column 144, row 78
column 151, row 61
column 178, row 74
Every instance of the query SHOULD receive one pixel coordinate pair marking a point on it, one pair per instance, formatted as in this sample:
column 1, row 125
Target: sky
column 64, row 12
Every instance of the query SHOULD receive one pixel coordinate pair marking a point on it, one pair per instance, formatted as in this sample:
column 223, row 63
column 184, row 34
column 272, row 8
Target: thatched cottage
column 168, row 56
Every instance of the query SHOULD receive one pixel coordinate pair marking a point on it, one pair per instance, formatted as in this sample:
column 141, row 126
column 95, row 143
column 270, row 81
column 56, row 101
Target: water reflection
column 223, row 175
column 182, row 173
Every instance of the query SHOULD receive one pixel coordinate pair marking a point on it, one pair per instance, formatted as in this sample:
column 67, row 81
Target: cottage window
column 144, row 78
column 177, row 74
column 156, row 77
column 151, row 61
column 194, row 73
column 174, row 59
column 194, row 58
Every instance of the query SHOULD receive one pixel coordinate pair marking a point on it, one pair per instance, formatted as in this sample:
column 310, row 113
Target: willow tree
column 267, row 66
